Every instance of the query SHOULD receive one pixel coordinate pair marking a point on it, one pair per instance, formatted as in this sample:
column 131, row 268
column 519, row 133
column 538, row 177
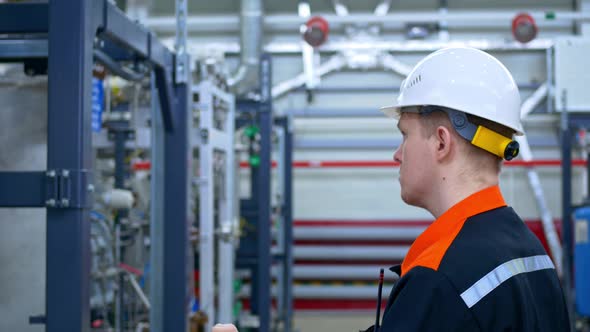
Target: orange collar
column 430, row 247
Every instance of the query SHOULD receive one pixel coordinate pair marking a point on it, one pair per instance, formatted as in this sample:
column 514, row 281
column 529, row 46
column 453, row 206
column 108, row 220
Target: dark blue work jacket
column 477, row 268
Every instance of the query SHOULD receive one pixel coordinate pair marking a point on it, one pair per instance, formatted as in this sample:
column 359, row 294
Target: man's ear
column 444, row 142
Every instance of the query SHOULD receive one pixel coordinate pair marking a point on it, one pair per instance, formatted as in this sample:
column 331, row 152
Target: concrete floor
column 333, row 321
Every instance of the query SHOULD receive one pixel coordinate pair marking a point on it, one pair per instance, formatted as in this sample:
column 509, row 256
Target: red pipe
column 142, row 166
column 145, row 165
column 131, row 269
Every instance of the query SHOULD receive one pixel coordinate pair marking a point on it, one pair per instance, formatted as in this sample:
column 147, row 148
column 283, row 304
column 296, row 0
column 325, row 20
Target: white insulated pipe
column 336, row 292
column 251, row 45
column 350, row 253
column 528, row 106
column 388, row 61
column 326, row 272
column 527, row 155
column 118, row 199
column 291, row 22
column 345, row 233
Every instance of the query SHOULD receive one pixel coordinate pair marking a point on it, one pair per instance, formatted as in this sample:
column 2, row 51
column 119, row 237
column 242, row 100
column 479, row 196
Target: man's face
column 417, row 162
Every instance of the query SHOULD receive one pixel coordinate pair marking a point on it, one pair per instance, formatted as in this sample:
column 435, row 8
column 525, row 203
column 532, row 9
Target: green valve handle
column 237, row 285
column 255, row 161
column 251, row 131
column 550, row 15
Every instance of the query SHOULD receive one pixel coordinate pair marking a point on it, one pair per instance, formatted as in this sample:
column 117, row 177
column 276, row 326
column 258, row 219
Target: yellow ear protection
column 480, row 136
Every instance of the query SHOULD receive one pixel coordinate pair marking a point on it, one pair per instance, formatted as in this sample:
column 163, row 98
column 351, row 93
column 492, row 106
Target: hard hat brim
column 395, row 111
column 392, row 111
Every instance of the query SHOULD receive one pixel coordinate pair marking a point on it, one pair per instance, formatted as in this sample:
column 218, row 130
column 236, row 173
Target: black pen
column 379, row 301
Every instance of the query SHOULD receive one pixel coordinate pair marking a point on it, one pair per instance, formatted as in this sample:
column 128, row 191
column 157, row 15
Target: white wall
column 23, row 147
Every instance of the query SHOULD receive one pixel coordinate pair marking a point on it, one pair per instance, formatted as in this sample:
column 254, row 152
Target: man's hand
column 225, row 328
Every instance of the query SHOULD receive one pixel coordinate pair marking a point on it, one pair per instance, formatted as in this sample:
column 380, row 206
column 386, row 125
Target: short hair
column 430, row 121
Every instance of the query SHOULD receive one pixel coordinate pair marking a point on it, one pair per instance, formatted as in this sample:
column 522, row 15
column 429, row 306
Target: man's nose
column 397, row 155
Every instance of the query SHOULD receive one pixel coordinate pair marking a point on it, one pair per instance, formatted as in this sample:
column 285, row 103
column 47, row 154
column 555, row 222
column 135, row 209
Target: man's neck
column 454, row 190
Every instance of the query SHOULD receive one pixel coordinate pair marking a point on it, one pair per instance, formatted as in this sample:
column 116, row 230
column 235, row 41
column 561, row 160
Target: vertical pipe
column 69, row 148
column 250, row 44
column 206, row 207
column 119, row 142
column 550, row 86
column 227, row 216
column 157, row 214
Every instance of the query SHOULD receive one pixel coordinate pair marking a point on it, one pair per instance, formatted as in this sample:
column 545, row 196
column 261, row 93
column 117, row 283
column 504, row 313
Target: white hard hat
column 464, row 79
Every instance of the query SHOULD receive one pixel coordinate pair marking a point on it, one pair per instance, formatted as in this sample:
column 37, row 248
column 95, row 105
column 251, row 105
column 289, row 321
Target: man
column 477, row 267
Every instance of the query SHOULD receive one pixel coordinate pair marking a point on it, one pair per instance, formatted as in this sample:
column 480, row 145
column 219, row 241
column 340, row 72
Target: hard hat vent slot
column 415, row 81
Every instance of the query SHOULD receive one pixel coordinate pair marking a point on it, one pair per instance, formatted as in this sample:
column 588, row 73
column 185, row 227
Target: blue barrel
column 582, row 260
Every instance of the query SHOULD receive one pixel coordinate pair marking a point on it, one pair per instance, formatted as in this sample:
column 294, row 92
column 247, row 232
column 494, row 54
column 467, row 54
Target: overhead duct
column 246, row 76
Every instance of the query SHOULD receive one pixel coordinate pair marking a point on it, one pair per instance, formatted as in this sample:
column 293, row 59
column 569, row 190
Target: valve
column 524, row 28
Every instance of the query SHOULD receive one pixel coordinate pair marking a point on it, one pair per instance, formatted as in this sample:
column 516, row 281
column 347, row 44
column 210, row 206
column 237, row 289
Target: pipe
column 340, row 8
column 535, row 183
column 335, row 272
column 118, row 198
column 251, row 46
column 382, row 8
column 327, row 292
column 348, row 253
column 335, row 63
column 528, row 106
column 226, row 246
column 289, row 22
column 388, row 61
column 295, row 47
column 116, row 68
column 138, row 290
column 142, row 327
column 357, row 233
column 323, row 272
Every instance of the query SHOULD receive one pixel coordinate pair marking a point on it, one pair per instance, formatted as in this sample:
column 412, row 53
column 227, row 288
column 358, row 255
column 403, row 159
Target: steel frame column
column 177, row 188
column 566, row 216
column 261, row 192
column 254, row 252
column 288, row 226
column 157, row 221
column 69, row 148
column 177, row 167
